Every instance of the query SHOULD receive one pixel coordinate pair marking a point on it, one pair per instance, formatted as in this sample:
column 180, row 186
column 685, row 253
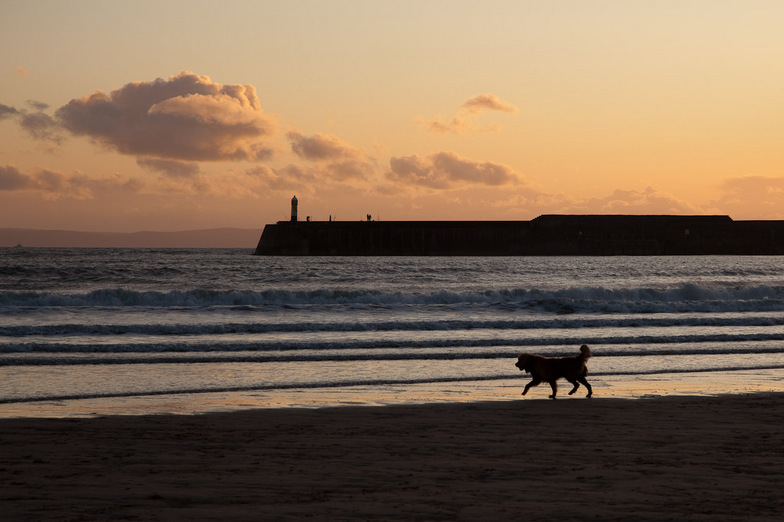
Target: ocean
column 129, row 331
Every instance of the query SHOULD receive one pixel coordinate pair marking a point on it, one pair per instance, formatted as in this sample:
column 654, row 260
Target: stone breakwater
column 547, row 235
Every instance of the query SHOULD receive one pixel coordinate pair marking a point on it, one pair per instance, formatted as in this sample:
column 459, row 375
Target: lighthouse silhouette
column 294, row 209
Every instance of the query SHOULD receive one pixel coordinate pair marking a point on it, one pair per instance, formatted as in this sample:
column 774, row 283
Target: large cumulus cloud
column 187, row 117
column 446, row 169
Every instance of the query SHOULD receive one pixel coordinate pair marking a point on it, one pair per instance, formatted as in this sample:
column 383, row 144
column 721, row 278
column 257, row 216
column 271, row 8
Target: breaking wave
column 685, row 297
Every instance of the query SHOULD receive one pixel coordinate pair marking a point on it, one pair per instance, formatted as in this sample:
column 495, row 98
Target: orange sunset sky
column 177, row 115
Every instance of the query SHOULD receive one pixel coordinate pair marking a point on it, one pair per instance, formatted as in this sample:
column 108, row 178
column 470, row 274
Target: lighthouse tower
column 294, row 209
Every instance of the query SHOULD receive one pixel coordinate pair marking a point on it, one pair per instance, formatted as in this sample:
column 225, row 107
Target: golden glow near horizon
column 174, row 115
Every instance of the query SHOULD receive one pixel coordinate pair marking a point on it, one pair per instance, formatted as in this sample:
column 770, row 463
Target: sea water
column 115, row 324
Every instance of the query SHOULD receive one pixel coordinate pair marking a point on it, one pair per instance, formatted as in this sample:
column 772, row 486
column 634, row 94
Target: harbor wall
column 546, row 235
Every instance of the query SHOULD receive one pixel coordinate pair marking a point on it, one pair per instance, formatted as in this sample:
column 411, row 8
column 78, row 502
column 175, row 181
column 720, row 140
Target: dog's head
column 523, row 362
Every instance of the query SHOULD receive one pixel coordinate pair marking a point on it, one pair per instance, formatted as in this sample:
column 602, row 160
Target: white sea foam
column 685, row 297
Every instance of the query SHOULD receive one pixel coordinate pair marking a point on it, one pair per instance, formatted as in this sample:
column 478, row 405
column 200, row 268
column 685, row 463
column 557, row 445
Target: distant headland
column 547, row 235
column 207, row 238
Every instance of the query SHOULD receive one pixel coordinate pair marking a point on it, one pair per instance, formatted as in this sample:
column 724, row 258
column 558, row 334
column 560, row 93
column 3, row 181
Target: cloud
column 56, row 185
column 38, row 105
column 445, row 170
column 7, row 112
column 19, row 71
column 12, row 179
column 171, row 168
column 487, row 102
column 286, row 178
column 182, row 179
column 752, row 197
column 648, row 201
column 38, row 125
column 41, row 126
column 463, row 123
column 320, row 147
column 457, row 125
column 235, row 184
column 187, row 117
column 349, row 170
column 744, row 187
column 336, row 159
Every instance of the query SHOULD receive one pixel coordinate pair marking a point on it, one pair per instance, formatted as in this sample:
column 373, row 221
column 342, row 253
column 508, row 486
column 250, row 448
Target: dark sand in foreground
column 672, row 458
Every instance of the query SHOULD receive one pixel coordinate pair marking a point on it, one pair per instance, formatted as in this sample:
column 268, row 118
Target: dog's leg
column 585, row 382
column 554, row 386
column 576, row 385
column 530, row 384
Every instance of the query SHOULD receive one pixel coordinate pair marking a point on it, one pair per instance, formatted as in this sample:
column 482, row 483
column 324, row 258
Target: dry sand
column 669, row 458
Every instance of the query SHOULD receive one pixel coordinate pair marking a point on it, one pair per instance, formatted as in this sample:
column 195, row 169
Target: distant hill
column 210, row 238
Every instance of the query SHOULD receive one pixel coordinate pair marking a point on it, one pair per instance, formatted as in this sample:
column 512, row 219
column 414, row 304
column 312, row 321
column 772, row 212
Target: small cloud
column 286, row 178
column 38, row 124
column 12, row 179
column 41, row 126
column 171, row 168
column 350, row 169
column 463, row 123
column 446, row 169
column 243, row 183
column 7, row 112
column 752, row 197
column 19, row 71
column 457, row 125
column 416, row 170
column 38, row 105
column 48, row 183
column 753, row 186
column 336, row 159
column 320, row 147
column 487, row 102
column 187, row 117
column 648, row 201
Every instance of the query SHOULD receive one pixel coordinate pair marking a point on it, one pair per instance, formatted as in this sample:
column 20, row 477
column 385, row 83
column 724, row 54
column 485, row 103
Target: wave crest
column 686, row 297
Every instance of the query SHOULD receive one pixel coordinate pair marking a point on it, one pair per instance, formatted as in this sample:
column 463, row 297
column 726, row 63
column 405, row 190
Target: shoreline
column 706, row 384
column 656, row 458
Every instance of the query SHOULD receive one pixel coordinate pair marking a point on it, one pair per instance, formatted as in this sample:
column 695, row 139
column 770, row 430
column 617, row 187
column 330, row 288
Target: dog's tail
column 585, row 352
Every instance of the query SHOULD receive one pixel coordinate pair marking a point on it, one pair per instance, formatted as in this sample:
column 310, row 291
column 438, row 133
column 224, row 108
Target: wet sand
column 665, row 458
column 616, row 386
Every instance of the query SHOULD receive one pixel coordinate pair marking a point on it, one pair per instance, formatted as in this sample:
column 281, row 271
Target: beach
column 660, row 458
column 212, row 385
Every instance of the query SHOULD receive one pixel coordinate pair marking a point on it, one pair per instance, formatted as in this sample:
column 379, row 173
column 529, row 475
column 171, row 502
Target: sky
column 179, row 115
